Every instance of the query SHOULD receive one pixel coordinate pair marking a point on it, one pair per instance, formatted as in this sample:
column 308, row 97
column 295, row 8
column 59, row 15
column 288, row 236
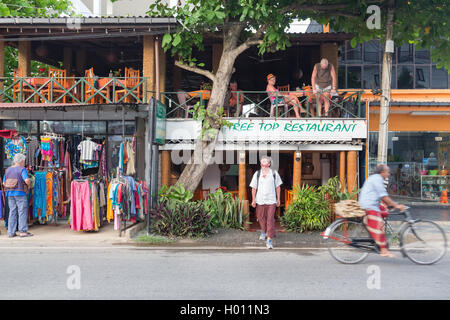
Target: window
column 354, row 55
column 405, row 77
column 439, row 78
column 405, row 53
column 354, row 77
column 422, row 77
column 371, row 77
column 371, row 52
column 411, row 67
column 21, row 126
column 116, row 127
column 423, row 56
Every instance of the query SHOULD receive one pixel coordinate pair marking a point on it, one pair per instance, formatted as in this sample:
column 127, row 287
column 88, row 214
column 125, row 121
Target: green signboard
column 160, row 128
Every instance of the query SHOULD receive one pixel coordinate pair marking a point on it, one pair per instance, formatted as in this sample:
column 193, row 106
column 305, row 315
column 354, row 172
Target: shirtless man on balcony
column 324, row 81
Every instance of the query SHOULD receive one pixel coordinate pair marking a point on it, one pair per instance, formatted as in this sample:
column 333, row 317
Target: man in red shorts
column 372, row 194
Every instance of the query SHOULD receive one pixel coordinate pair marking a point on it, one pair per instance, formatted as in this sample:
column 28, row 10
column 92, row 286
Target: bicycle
column 421, row 241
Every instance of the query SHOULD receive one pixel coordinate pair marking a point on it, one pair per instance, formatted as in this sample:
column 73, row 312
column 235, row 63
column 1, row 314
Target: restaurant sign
column 275, row 130
column 160, row 127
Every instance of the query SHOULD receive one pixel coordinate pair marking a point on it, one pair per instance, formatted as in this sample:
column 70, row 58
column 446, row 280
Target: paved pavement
column 142, row 273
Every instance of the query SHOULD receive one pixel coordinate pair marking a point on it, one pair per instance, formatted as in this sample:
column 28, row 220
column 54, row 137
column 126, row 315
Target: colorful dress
column 12, row 148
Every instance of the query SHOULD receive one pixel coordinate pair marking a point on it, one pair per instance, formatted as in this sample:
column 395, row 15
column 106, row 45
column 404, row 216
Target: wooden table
column 203, row 94
column 108, row 82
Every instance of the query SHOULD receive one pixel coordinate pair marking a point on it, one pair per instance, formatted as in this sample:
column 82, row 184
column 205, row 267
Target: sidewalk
column 61, row 235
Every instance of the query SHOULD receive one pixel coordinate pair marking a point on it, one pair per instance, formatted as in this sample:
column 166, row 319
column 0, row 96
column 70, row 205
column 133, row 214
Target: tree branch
column 202, row 72
column 255, row 40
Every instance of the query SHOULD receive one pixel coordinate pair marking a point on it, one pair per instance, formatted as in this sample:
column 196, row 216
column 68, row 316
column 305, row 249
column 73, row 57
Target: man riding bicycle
column 372, row 194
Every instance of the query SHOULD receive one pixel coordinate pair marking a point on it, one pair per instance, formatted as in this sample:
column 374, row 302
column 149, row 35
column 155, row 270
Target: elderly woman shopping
column 15, row 183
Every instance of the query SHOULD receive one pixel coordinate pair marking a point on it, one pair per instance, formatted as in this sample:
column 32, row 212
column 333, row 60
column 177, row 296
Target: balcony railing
column 115, row 90
column 78, row 90
column 345, row 104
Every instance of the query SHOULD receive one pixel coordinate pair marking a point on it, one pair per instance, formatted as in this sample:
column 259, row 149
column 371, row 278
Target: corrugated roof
column 86, row 20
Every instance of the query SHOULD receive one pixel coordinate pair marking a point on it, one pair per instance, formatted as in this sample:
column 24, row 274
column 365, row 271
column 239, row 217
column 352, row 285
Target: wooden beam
column 351, row 171
column 165, row 168
column 67, row 60
column 148, row 64
column 297, row 170
column 81, row 61
column 162, row 72
column 342, row 166
column 24, row 57
column 242, row 176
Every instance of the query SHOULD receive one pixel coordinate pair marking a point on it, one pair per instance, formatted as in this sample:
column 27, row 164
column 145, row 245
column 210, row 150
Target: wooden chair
column 289, row 198
column 283, row 88
column 25, row 88
column 201, row 194
column 90, row 90
column 235, row 194
column 132, row 78
column 60, row 87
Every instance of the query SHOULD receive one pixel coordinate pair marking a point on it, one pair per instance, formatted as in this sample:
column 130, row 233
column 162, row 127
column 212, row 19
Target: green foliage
column 332, row 191
column 175, row 193
column 210, row 121
column 226, row 212
column 309, row 211
column 34, row 8
column 175, row 218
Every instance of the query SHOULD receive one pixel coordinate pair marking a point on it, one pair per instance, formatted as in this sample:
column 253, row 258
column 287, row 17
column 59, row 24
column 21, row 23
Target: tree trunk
column 204, row 148
column 386, row 90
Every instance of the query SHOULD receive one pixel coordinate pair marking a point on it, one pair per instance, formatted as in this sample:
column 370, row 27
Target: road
column 174, row 274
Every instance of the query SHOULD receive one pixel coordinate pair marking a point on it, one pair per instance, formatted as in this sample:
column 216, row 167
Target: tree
column 241, row 24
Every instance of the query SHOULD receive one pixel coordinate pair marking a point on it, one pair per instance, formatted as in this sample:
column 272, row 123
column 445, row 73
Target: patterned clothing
column 374, row 221
column 15, row 146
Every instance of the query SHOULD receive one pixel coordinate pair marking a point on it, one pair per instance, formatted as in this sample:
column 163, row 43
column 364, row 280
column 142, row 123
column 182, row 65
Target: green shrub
column 225, row 211
column 174, row 218
column 177, row 192
column 309, row 211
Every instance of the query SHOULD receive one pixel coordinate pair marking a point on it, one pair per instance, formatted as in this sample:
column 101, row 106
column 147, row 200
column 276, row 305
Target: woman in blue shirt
column 17, row 197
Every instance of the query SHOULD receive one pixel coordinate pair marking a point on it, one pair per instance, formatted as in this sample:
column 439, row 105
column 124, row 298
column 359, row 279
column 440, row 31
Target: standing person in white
column 265, row 186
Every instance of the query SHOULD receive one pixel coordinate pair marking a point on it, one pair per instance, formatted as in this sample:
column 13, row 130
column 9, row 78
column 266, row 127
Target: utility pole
column 385, row 100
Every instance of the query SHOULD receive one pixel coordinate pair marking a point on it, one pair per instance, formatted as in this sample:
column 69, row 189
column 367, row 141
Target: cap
column 270, row 76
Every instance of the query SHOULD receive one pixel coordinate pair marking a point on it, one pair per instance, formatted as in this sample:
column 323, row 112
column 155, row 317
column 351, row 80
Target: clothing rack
column 53, row 136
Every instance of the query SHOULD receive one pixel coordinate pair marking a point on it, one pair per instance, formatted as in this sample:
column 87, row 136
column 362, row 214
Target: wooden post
column 24, row 57
column 2, row 66
column 242, row 176
column 80, row 63
column 162, row 73
column 297, row 171
column 333, row 165
column 165, row 168
column 342, row 160
column 351, row 171
column 148, row 63
column 67, row 52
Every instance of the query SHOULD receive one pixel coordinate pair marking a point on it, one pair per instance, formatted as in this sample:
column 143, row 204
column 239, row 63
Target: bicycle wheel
column 423, row 242
column 341, row 235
